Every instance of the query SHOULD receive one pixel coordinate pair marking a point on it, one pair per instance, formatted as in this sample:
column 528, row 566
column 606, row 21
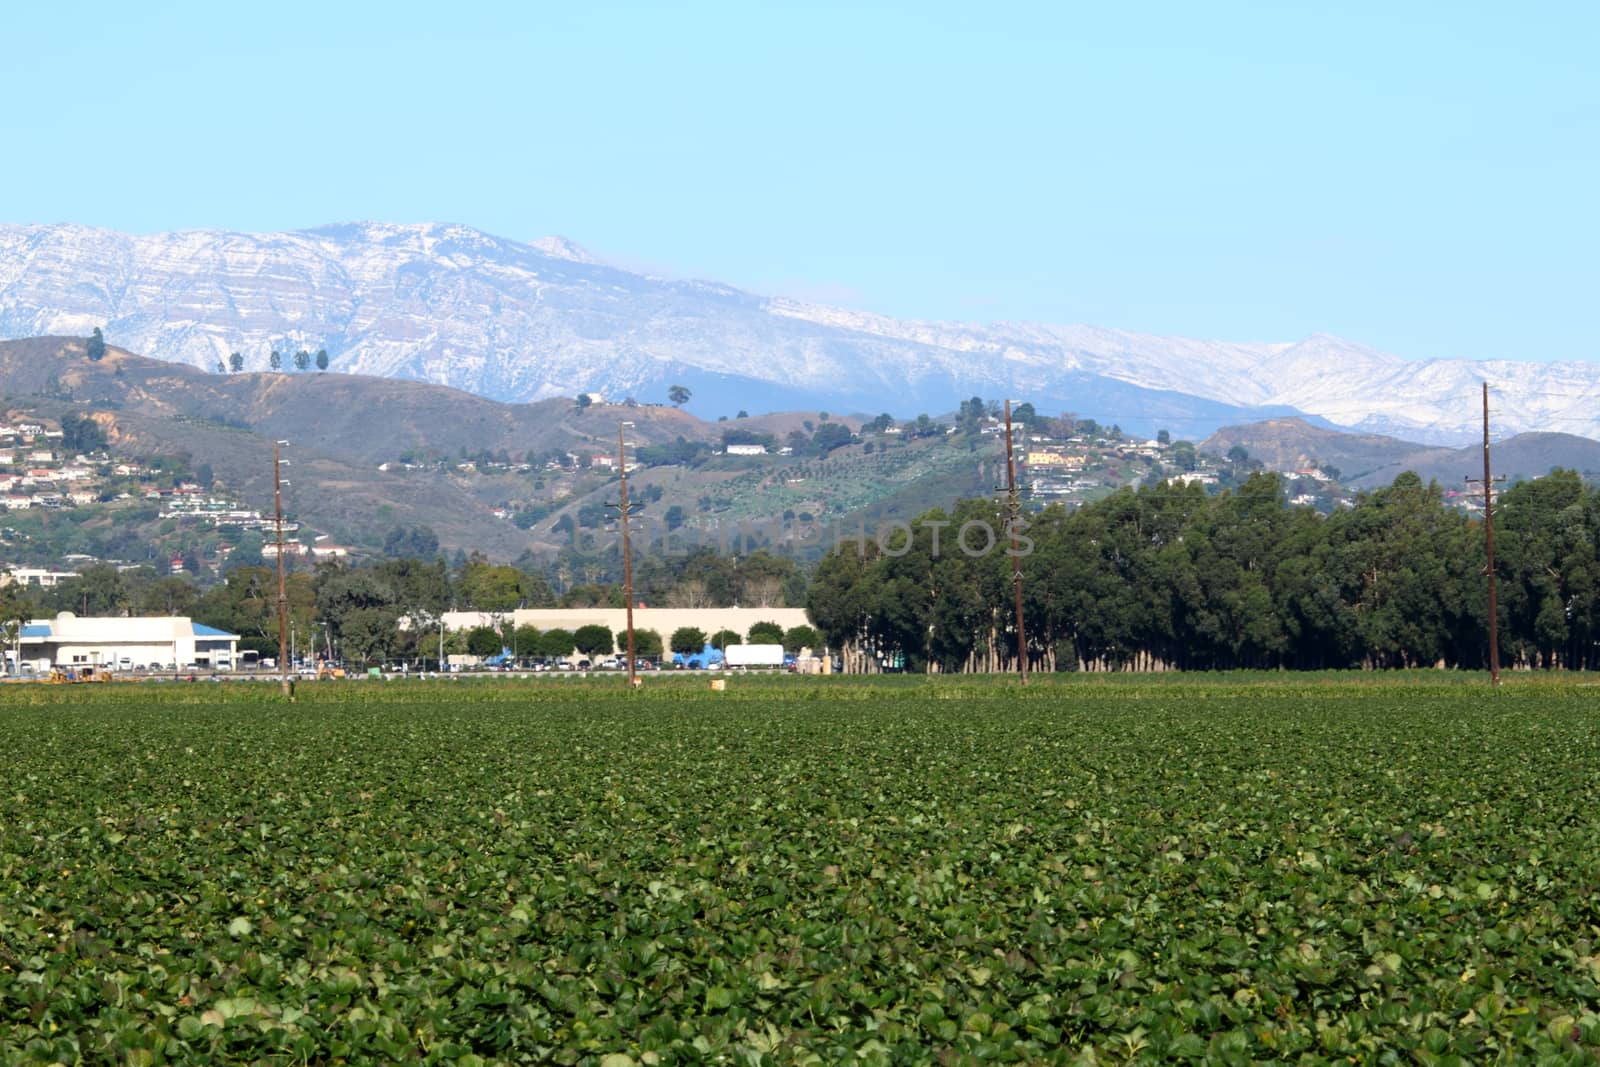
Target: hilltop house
column 35, row 576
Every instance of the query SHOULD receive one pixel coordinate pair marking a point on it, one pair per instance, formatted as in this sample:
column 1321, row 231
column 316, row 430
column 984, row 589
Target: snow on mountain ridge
column 447, row 303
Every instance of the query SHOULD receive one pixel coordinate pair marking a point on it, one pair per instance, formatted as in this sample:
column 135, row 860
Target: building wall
column 662, row 620
column 107, row 654
column 106, row 640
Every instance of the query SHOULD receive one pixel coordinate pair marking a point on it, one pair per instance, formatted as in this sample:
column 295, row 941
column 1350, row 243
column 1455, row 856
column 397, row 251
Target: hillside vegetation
column 371, row 455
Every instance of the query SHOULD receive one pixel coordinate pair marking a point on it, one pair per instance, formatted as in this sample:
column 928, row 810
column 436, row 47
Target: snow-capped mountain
column 517, row 321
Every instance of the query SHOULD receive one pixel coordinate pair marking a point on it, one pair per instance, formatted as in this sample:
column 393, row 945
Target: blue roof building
column 121, row 643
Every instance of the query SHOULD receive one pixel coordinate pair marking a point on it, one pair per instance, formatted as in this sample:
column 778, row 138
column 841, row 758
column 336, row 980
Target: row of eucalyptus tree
column 1167, row 577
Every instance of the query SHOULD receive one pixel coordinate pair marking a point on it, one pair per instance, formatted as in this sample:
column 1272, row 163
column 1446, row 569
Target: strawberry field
column 818, row 871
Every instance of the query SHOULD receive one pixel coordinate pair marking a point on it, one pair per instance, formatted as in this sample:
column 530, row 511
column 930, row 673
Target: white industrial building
column 123, row 643
column 662, row 620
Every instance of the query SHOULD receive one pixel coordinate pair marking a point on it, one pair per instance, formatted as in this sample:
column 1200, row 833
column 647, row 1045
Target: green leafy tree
column 483, row 641
column 245, row 602
column 275, row 360
column 343, row 592
column 829, row 436
column 96, row 347
column 646, row 643
column 840, row 601
column 796, row 638
column 99, row 590
column 766, row 633
column 679, row 395
column 723, row 638
column 687, row 640
column 171, row 595
column 525, row 640
column 557, row 643
column 420, row 588
column 413, row 542
column 1183, row 456
column 235, row 362
column 367, row 635
column 322, row 359
column 302, row 360
column 492, row 586
column 80, row 433
column 17, row 606
column 593, row 640
column 583, row 402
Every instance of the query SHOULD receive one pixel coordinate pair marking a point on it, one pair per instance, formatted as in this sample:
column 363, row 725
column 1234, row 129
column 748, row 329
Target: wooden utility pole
column 1488, row 545
column 1014, row 506
column 283, row 598
column 623, row 508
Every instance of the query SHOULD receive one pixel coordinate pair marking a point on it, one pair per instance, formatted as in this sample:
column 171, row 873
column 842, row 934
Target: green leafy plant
column 896, row 870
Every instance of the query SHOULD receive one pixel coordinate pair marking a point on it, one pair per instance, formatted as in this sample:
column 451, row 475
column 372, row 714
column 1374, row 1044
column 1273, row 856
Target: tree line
column 1159, row 578
column 356, row 609
column 1166, row 577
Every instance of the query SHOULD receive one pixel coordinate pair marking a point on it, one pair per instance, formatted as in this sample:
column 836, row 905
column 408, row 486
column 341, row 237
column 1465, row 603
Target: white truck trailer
column 752, row 656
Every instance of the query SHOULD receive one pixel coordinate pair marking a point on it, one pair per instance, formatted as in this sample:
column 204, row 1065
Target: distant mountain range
column 1365, row 461
column 518, row 322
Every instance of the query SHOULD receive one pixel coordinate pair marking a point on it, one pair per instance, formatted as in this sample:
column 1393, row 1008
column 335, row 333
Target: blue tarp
column 706, row 657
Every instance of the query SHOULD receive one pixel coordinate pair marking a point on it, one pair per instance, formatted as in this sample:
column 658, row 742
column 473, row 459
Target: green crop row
column 817, row 871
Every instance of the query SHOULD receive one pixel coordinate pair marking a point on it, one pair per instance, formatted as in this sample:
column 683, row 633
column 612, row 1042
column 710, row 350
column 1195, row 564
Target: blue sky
column 1421, row 177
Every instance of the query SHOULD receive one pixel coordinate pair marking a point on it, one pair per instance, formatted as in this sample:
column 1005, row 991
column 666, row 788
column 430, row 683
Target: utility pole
column 1014, row 506
column 623, row 510
column 283, row 598
column 1488, row 545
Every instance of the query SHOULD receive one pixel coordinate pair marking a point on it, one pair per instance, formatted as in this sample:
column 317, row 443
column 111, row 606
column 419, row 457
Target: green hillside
column 370, row 456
